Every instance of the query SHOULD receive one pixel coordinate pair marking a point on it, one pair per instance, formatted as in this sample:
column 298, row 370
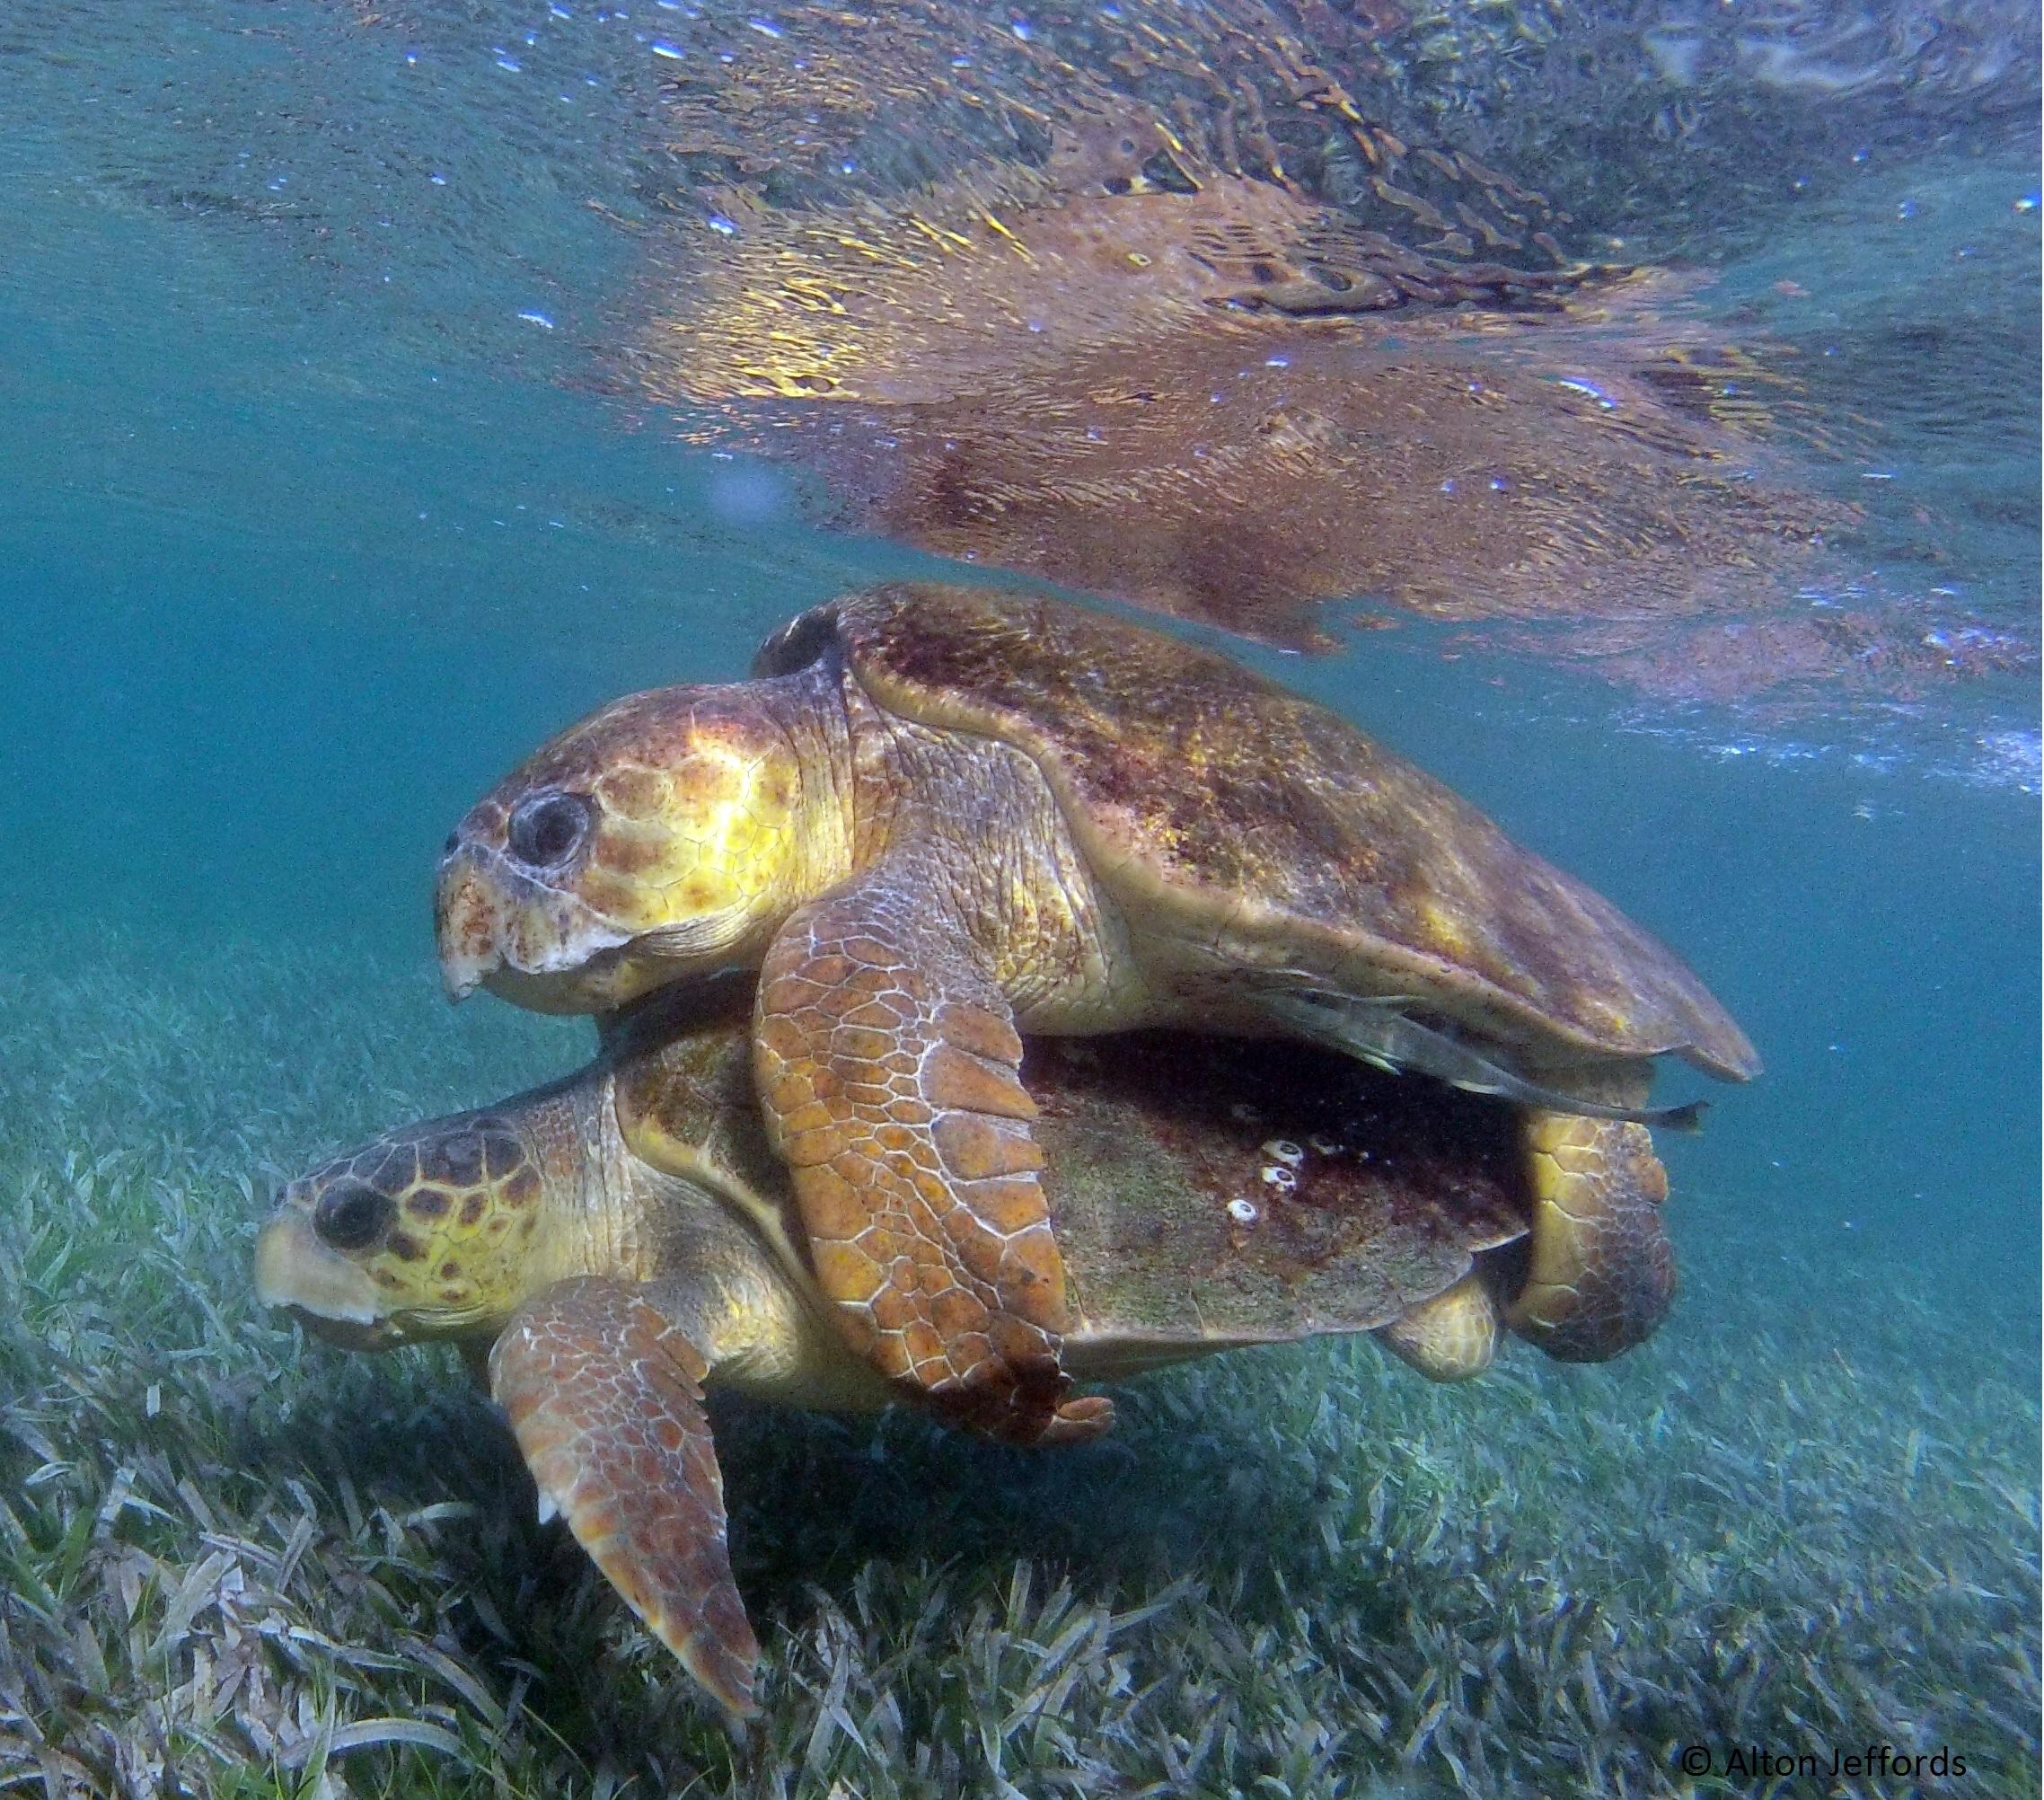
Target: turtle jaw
column 547, row 949
column 327, row 1293
column 333, row 1299
column 466, row 918
column 336, row 1297
column 540, row 947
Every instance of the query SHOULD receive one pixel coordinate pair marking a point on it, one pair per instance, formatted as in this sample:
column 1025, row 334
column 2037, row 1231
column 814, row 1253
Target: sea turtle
column 627, row 1238
column 940, row 816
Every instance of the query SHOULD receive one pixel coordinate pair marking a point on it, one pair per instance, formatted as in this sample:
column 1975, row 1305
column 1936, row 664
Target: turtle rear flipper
column 1601, row 1273
column 1451, row 1337
column 605, row 1396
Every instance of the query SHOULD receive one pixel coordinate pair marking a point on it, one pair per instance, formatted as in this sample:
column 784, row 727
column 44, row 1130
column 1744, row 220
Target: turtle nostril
column 548, row 829
column 352, row 1215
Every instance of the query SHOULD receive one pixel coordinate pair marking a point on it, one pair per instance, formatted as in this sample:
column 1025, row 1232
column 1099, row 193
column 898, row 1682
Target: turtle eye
column 352, row 1216
column 548, row 829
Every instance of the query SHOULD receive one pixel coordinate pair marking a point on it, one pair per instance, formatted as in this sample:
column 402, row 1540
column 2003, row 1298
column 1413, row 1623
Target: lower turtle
column 622, row 1240
column 942, row 816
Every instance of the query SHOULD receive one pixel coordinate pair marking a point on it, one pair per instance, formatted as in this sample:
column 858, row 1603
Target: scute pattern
column 1602, row 1272
column 1233, row 811
column 464, row 1193
column 1370, row 1193
column 605, row 1396
column 1451, row 1337
column 888, row 1068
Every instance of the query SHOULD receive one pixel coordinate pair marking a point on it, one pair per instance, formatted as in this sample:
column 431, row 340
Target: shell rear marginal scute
column 1232, row 805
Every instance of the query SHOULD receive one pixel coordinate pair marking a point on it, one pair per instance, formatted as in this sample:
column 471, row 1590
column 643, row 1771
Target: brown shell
column 1390, row 1188
column 1213, row 1191
column 1205, row 794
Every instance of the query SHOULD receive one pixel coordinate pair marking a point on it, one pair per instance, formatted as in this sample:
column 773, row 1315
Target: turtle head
column 430, row 1233
column 667, row 835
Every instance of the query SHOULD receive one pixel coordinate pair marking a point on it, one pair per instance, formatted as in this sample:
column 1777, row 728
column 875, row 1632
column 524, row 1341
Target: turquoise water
column 310, row 534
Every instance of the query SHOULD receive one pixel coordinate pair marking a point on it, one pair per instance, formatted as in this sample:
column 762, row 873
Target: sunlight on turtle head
column 416, row 1235
column 666, row 835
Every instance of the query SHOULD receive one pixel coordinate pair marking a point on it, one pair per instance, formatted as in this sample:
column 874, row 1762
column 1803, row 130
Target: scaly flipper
column 888, row 1068
column 1451, row 1337
column 605, row 1396
column 1380, row 1033
column 1601, row 1273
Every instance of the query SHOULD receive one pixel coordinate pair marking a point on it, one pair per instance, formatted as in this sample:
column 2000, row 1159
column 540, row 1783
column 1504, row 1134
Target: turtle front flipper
column 888, row 1068
column 605, row 1396
column 1600, row 1273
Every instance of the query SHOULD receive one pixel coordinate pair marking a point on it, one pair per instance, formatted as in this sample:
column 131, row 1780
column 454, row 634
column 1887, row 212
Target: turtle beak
column 468, row 924
column 539, row 946
column 294, row 1269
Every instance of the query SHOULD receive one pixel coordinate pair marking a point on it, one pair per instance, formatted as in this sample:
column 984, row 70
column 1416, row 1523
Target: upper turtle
column 1223, row 802
column 940, row 816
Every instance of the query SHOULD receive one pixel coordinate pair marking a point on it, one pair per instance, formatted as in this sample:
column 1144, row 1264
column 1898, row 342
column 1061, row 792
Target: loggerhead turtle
column 940, row 816
column 627, row 1238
